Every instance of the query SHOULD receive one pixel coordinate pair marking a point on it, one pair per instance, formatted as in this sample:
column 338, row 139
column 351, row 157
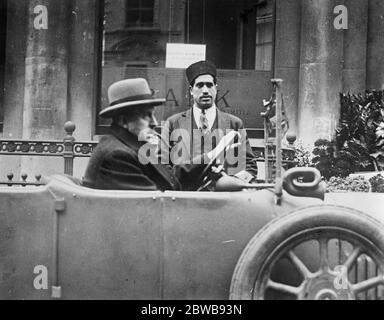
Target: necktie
column 204, row 122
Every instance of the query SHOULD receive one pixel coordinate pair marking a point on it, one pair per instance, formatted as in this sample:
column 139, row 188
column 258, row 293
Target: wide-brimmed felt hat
column 128, row 93
column 200, row 68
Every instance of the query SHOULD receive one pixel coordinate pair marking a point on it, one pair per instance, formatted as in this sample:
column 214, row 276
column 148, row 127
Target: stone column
column 17, row 13
column 83, row 67
column 375, row 53
column 17, row 22
column 46, row 80
column 287, row 55
column 83, row 72
column 355, row 46
column 320, row 71
column 46, row 73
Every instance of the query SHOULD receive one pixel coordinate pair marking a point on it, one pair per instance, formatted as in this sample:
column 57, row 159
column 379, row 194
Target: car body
column 97, row 244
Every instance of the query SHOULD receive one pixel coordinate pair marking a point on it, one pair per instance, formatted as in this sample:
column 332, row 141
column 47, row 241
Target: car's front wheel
column 316, row 253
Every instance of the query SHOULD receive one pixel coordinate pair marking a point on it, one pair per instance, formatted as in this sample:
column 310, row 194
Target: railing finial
column 69, row 142
column 69, row 128
column 291, row 137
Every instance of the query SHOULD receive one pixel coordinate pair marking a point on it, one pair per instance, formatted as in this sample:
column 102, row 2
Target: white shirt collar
column 210, row 113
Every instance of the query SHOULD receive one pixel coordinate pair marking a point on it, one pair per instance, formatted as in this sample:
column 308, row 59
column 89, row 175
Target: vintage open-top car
column 249, row 244
column 285, row 240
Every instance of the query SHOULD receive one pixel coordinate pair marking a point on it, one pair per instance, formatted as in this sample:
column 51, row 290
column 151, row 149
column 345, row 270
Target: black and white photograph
column 207, row 152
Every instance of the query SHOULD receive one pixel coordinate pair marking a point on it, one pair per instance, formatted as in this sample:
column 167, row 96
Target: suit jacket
column 115, row 165
column 226, row 121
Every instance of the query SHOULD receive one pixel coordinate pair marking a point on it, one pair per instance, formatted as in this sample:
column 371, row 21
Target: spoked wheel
column 313, row 254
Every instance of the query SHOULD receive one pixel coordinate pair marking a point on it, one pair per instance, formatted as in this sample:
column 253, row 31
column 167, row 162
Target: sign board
column 180, row 55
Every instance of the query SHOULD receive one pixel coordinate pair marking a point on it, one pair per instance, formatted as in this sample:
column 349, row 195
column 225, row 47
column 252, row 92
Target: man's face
column 204, row 91
column 145, row 120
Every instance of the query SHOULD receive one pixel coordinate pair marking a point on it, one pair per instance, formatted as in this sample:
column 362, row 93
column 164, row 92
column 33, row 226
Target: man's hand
column 225, row 144
column 150, row 136
column 245, row 176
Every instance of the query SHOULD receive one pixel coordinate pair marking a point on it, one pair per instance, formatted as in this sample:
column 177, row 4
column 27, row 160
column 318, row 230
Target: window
column 238, row 35
column 240, row 32
column 3, row 31
column 139, row 13
column 264, row 37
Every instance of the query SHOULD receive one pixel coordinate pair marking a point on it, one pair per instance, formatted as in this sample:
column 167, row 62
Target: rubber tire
column 264, row 243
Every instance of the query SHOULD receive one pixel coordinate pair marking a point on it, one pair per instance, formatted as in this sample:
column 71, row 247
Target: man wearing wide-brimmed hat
column 116, row 164
column 207, row 124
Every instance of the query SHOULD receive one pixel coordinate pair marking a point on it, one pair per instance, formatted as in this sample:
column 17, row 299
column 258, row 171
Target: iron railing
column 68, row 149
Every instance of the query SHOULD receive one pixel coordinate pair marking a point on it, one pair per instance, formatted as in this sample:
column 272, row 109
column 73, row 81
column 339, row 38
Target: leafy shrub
column 324, row 157
column 377, row 183
column 357, row 137
column 333, row 163
column 303, row 155
column 379, row 154
column 349, row 184
column 359, row 144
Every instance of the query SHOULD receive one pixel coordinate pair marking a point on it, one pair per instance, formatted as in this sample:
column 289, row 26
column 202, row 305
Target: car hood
column 371, row 203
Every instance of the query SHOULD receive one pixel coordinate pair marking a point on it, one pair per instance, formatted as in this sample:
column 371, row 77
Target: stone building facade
column 61, row 72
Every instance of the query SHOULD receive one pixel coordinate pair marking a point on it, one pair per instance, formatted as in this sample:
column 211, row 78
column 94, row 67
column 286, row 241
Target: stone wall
column 53, row 75
column 317, row 60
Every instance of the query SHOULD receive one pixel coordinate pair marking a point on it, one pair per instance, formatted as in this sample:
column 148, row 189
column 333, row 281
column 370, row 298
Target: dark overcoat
column 115, row 165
